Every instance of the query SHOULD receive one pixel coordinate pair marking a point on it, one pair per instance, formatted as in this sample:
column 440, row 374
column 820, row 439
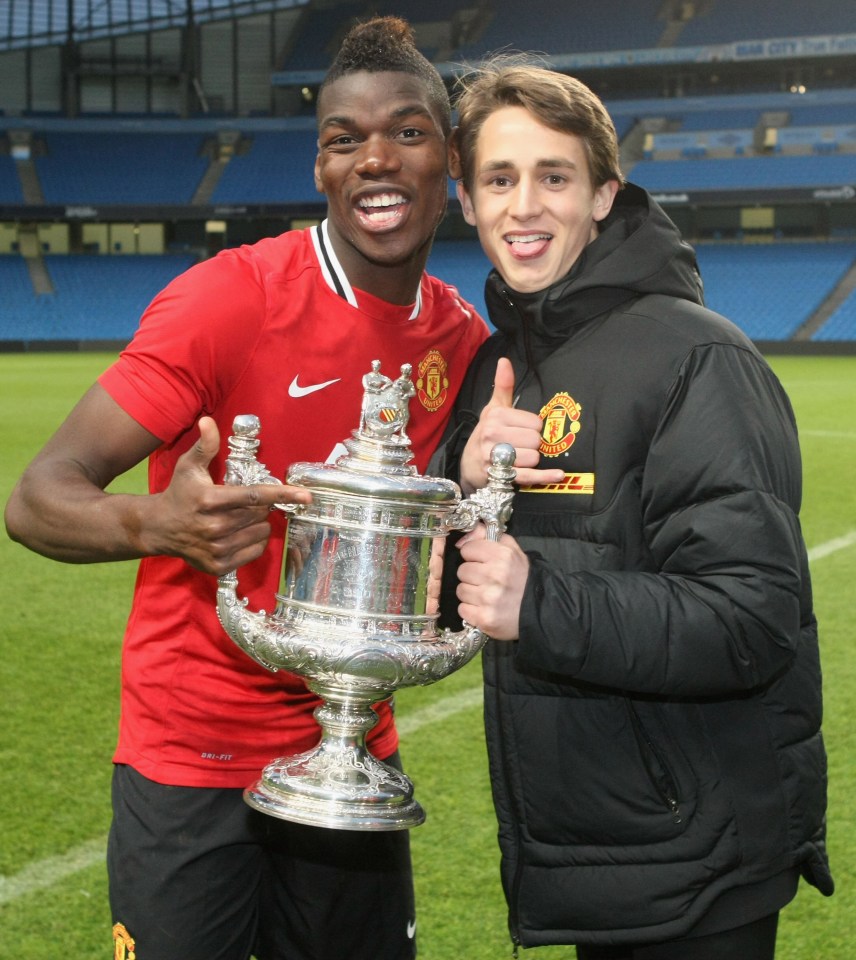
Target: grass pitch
column 60, row 637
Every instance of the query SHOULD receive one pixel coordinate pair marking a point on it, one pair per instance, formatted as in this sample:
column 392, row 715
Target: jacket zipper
column 661, row 778
column 515, row 885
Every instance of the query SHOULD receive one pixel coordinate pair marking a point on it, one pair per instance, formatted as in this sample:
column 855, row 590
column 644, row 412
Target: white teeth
column 382, row 200
column 529, row 238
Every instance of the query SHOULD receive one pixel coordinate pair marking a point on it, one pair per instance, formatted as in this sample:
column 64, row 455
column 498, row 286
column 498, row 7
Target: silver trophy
column 357, row 615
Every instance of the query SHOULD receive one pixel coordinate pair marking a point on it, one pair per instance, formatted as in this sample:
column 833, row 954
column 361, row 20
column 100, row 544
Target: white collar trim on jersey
column 334, row 273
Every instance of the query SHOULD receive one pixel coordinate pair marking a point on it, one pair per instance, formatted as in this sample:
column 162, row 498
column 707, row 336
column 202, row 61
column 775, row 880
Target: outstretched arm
column 60, row 507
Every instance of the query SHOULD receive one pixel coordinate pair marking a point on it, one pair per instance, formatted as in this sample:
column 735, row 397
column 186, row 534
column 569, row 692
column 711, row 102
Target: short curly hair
column 388, row 45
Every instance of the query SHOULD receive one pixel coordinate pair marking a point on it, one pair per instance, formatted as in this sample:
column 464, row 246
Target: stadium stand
column 311, row 48
column 96, row 298
column 728, row 20
column 10, row 185
column 277, row 167
column 841, row 325
column 604, row 26
column 118, row 167
column 711, row 118
column 721, row 153
column 462, row 264
column 746, row 174
column 770, row 290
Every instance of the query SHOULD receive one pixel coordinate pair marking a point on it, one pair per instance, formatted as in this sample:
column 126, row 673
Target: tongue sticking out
column 529, row 247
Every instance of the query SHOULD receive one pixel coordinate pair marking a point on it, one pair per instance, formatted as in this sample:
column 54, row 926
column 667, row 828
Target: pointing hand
column 215, row 528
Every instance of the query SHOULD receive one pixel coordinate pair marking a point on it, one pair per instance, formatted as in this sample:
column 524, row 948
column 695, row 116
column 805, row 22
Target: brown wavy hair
column 560, row 102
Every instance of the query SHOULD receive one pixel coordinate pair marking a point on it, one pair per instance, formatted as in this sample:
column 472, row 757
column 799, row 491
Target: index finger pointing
column 266, row 494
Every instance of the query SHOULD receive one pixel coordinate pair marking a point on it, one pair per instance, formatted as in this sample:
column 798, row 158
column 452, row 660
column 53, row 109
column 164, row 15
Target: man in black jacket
column 654, row 722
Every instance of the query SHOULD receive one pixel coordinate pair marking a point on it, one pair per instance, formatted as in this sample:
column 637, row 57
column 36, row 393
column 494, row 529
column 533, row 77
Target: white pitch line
column 838, row 434
column 45, row 873
column 832, row 546
column 441, row 710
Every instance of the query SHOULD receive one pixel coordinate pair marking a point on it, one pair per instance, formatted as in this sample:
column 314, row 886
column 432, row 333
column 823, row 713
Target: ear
column 466, row 203
column 318, row 185
column 456, row 170
column 604, row 196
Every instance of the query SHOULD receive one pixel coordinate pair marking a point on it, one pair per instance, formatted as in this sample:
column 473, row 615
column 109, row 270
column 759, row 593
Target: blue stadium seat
column 727, row 21
column 117, row 167
column 312, row 50
column 745, row 173
column 720, row 119
column 95, row 298
column 278, row 168
column 462, row 263
column 841, row 325
column 770, row 290
column 10, row 185
column 546, row 28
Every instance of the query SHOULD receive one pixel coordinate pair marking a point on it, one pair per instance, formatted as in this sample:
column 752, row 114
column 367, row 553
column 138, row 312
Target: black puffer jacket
column 654, row 735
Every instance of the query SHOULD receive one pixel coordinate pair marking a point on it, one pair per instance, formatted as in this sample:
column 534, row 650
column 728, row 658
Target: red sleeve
column 194, row 342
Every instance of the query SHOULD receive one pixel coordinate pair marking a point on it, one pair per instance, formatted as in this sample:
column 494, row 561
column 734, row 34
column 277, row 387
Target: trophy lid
column 377, row 463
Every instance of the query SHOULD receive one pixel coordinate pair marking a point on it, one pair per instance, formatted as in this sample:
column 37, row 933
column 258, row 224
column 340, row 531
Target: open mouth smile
column 382, row 210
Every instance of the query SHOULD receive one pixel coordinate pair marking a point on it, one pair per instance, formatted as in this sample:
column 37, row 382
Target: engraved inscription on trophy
column 357, row 615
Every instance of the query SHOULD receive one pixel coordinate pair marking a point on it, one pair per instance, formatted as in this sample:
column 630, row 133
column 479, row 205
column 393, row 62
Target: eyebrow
column 545, row 163
column 408, row 110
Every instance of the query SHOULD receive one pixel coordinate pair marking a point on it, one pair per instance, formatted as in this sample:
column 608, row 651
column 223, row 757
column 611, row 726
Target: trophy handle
column 243, row 469
column 491, row 505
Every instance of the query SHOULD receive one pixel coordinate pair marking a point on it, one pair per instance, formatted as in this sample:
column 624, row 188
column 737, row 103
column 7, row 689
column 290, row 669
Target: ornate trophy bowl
column 357, row 615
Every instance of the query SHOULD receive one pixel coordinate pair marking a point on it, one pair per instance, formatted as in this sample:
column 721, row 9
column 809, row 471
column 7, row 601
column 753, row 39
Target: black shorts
column 196, row 874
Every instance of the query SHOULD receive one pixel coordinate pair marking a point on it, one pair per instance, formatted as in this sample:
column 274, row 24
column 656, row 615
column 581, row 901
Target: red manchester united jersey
column 275, row 330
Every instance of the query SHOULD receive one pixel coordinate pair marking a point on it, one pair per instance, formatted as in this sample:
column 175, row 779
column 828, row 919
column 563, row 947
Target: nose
column 524, row 202
column 377, row 157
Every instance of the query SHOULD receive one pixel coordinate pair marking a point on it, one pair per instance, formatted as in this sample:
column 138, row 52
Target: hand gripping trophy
column 357, row 615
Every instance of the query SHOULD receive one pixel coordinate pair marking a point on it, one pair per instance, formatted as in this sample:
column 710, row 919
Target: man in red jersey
column 284, row 329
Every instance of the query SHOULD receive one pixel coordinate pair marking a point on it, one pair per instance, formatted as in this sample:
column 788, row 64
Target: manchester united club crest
column 561, row 417
column 123, row 943
column 432, row 385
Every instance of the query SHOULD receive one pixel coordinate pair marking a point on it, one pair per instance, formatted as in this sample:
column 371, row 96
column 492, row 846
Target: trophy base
column 351, row 791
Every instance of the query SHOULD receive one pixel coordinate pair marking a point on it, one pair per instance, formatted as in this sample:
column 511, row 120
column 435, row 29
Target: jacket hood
column 638, row 251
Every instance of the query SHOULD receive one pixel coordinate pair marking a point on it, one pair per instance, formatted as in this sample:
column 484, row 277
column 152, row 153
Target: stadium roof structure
column 34, row 23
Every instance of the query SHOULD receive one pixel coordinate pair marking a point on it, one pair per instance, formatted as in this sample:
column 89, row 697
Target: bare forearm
column 60, row 509
column 72, row 520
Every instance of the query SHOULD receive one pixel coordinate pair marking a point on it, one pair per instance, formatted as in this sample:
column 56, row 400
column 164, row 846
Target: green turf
column 60, row 639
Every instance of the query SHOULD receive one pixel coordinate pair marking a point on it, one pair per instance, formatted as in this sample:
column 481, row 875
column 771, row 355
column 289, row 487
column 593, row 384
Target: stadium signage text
column 81, row 213
column 773, row 49
column 830, row 194
column 835, row 193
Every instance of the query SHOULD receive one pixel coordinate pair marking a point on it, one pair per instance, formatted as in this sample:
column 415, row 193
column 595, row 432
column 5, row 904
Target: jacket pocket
column 656, row 761
column 590, row 771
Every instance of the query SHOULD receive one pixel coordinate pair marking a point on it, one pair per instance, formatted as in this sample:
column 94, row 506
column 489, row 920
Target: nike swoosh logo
column 295, row 390
column 411, row 929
